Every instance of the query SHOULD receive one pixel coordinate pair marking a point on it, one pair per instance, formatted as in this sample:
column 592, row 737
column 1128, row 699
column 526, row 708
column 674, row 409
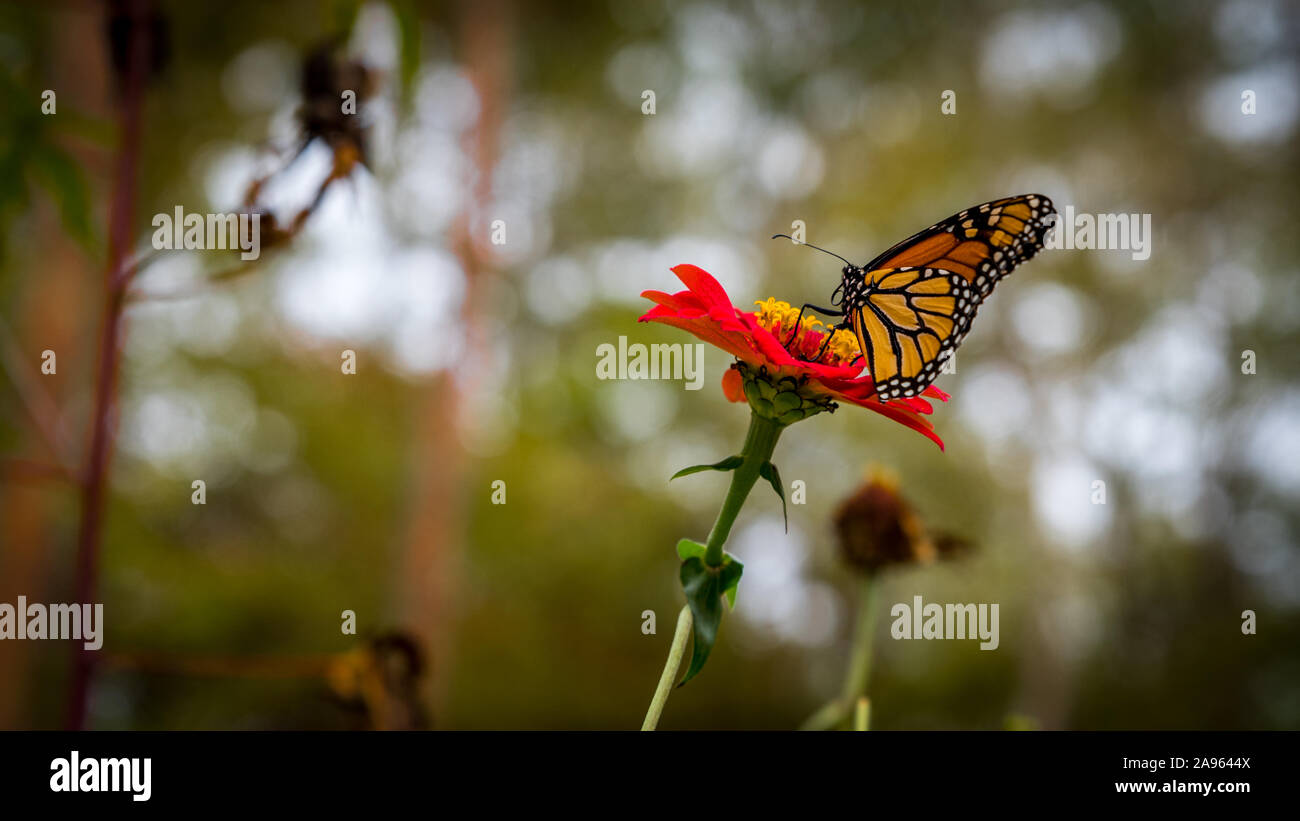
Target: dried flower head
column 878, row 528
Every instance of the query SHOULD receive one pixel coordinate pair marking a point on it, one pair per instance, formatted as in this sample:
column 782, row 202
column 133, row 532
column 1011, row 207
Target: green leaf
column 687, row 548
column 730, row 590
column 730, row 463
column 705, row 586
column 768, row 471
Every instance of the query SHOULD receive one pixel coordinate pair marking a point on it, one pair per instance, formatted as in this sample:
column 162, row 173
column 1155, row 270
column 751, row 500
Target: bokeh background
column 476, row 362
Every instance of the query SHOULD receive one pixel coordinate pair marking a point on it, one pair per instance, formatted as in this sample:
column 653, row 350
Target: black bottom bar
column 240, row 771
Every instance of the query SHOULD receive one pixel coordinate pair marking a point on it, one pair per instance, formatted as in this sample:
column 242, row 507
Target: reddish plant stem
column 431, row 564
column 104, row 414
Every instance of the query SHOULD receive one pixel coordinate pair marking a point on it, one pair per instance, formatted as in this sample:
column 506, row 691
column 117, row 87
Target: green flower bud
column 785, row 399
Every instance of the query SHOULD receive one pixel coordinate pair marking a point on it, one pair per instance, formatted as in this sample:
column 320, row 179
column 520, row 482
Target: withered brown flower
column 382, row 678
column 326, row 77
column 877, row 528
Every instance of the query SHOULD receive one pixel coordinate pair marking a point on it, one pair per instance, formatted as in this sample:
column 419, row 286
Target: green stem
column 835, row 712
column 862, row 715
column 826, row 717
column 760, row 442
column 670, row 670
column 855, row 683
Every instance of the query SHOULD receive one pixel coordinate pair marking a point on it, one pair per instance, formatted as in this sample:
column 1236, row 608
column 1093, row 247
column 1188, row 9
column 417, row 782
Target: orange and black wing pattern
column 912, row 306
column 983, row 244
column 909, row 322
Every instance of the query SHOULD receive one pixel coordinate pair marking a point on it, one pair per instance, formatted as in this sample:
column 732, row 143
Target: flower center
column 779, row 319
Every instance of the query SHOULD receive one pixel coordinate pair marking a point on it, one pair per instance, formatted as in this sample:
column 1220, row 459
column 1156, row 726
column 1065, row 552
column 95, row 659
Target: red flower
column 756, row 340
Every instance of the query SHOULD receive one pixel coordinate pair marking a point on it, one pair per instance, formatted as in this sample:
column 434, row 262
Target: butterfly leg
column 797, row 322
column 830, row 332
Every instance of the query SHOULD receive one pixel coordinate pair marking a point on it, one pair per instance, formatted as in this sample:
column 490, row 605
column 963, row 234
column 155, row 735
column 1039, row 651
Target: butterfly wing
column 983, row 244
column 910, row 321
column 917, row 300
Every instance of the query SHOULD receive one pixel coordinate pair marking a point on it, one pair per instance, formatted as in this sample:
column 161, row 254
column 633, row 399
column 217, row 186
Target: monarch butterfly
column 912, row 306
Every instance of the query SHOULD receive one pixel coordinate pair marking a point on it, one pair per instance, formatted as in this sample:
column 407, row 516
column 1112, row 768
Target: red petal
column 709, row 331
column 768, row 345
column 682, row 300
column 911, row 420
column 702, row 283
column 917, row 404
column 733, row 385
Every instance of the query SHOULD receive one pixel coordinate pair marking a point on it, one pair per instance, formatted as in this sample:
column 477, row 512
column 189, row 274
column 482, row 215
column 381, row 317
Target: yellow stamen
column 775, row 315
column 843, row 346
column 779, row 317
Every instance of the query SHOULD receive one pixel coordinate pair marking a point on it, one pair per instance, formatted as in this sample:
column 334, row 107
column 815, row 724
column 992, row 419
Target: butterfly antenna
column 814, row 247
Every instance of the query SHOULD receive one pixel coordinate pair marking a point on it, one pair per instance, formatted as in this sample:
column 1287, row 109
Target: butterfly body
column 913, row 305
